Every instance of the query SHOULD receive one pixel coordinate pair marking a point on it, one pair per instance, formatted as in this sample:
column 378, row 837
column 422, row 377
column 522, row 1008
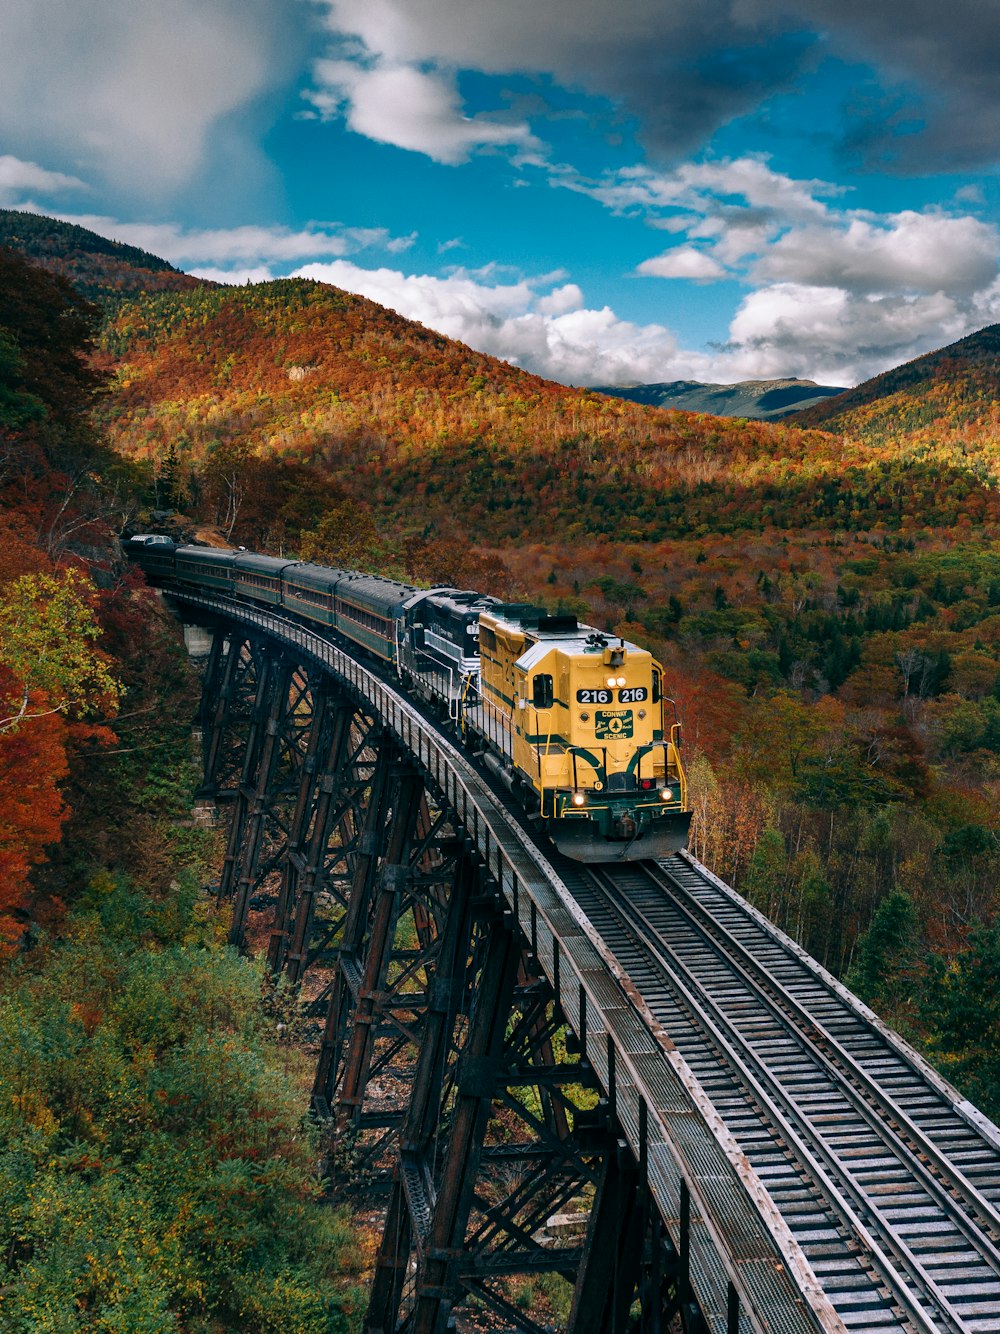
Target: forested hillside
column 155, row 1172
column 941, row 407
column 101, row 270
column 827, row 604
column 430, row 431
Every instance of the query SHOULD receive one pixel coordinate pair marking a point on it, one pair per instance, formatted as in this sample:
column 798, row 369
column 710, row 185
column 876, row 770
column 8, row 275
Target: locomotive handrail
column 668, row 1120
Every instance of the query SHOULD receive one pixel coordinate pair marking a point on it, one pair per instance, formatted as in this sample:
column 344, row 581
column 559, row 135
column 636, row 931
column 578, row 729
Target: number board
column 594, row 696
column 598, row 695
column 613, row 724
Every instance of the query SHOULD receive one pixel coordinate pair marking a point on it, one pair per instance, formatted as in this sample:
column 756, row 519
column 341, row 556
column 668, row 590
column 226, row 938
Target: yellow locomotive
column 569, row 718
column 573, row 721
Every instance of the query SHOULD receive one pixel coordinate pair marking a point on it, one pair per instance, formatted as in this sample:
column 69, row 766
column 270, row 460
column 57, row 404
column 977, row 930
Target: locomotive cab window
column 542, row 691
column 656, row 686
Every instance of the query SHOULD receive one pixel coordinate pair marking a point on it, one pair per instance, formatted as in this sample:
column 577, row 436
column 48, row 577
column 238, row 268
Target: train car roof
column 210, row 554
column 462, row 600
column 318, row 576
column 371, row 590
column 254, row 564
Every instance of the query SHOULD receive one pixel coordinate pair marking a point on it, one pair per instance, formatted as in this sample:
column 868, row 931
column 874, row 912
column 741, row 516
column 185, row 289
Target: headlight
column 666, row 794
column 619, row 680
column 578, row 798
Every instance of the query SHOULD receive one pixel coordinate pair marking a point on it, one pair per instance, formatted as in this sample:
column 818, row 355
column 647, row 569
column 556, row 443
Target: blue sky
column 650, row 190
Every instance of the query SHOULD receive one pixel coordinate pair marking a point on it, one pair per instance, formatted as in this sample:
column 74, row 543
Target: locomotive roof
column 462, row 600
column 537, row 620
column 574, row 645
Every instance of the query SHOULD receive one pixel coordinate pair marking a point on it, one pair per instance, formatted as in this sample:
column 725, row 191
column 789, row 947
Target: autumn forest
column 824, row 593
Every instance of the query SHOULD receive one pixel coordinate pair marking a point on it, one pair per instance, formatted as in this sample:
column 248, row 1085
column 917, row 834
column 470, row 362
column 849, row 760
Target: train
column 570, row 719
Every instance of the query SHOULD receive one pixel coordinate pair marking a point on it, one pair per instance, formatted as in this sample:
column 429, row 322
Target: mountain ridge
column 972, row 362
column 105, row 272
column 757, row 400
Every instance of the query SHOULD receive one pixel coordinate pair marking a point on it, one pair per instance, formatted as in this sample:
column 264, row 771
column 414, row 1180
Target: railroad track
column 888, row 1184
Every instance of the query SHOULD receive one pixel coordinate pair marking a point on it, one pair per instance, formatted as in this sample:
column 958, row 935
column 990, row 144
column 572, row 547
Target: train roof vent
column 559, row 625
column 536, row 618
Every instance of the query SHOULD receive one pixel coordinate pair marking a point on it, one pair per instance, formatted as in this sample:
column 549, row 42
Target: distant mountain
column 104, row 271
column 757, row 400
column 947, row 396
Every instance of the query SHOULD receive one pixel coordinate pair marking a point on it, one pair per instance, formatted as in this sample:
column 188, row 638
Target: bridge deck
column 889, row 1182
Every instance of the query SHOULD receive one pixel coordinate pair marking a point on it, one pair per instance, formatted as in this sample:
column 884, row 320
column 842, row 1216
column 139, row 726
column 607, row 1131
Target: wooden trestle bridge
column 623, row 1075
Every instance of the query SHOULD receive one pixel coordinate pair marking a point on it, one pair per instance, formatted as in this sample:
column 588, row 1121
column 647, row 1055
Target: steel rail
column 975, row 1120
column 823, row 1164
column 813, row 1032
column 738, row 1234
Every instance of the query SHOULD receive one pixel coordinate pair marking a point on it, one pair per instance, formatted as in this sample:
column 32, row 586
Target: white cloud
column 901, row 252
column 243, row 250
column 699, row 186
column 410, row 108
column 682, row 262
column 17, row 178
column 839, row 293
column 829, row 335
column 561, row 300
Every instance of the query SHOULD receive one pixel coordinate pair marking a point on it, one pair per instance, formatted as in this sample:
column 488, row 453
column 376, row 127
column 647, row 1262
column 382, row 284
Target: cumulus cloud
column 902, row 252
column 689, row 67
column 826, row 334
column 136, row 92
column 839, row 293
column 238, row 253
column 17, row 178
column 411, row 108
column 746, row 219
column 682, row 262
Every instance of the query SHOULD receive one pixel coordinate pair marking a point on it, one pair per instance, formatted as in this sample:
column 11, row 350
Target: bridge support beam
column 475, row 1083
column 254, row 798
column 390, row 882
column 613, row 1252
column 247, row 785
column 219, row 685
column 316, row 812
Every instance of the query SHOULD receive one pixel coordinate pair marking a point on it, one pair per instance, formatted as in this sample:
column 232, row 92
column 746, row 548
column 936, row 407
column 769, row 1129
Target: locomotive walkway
column 622, row 1074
